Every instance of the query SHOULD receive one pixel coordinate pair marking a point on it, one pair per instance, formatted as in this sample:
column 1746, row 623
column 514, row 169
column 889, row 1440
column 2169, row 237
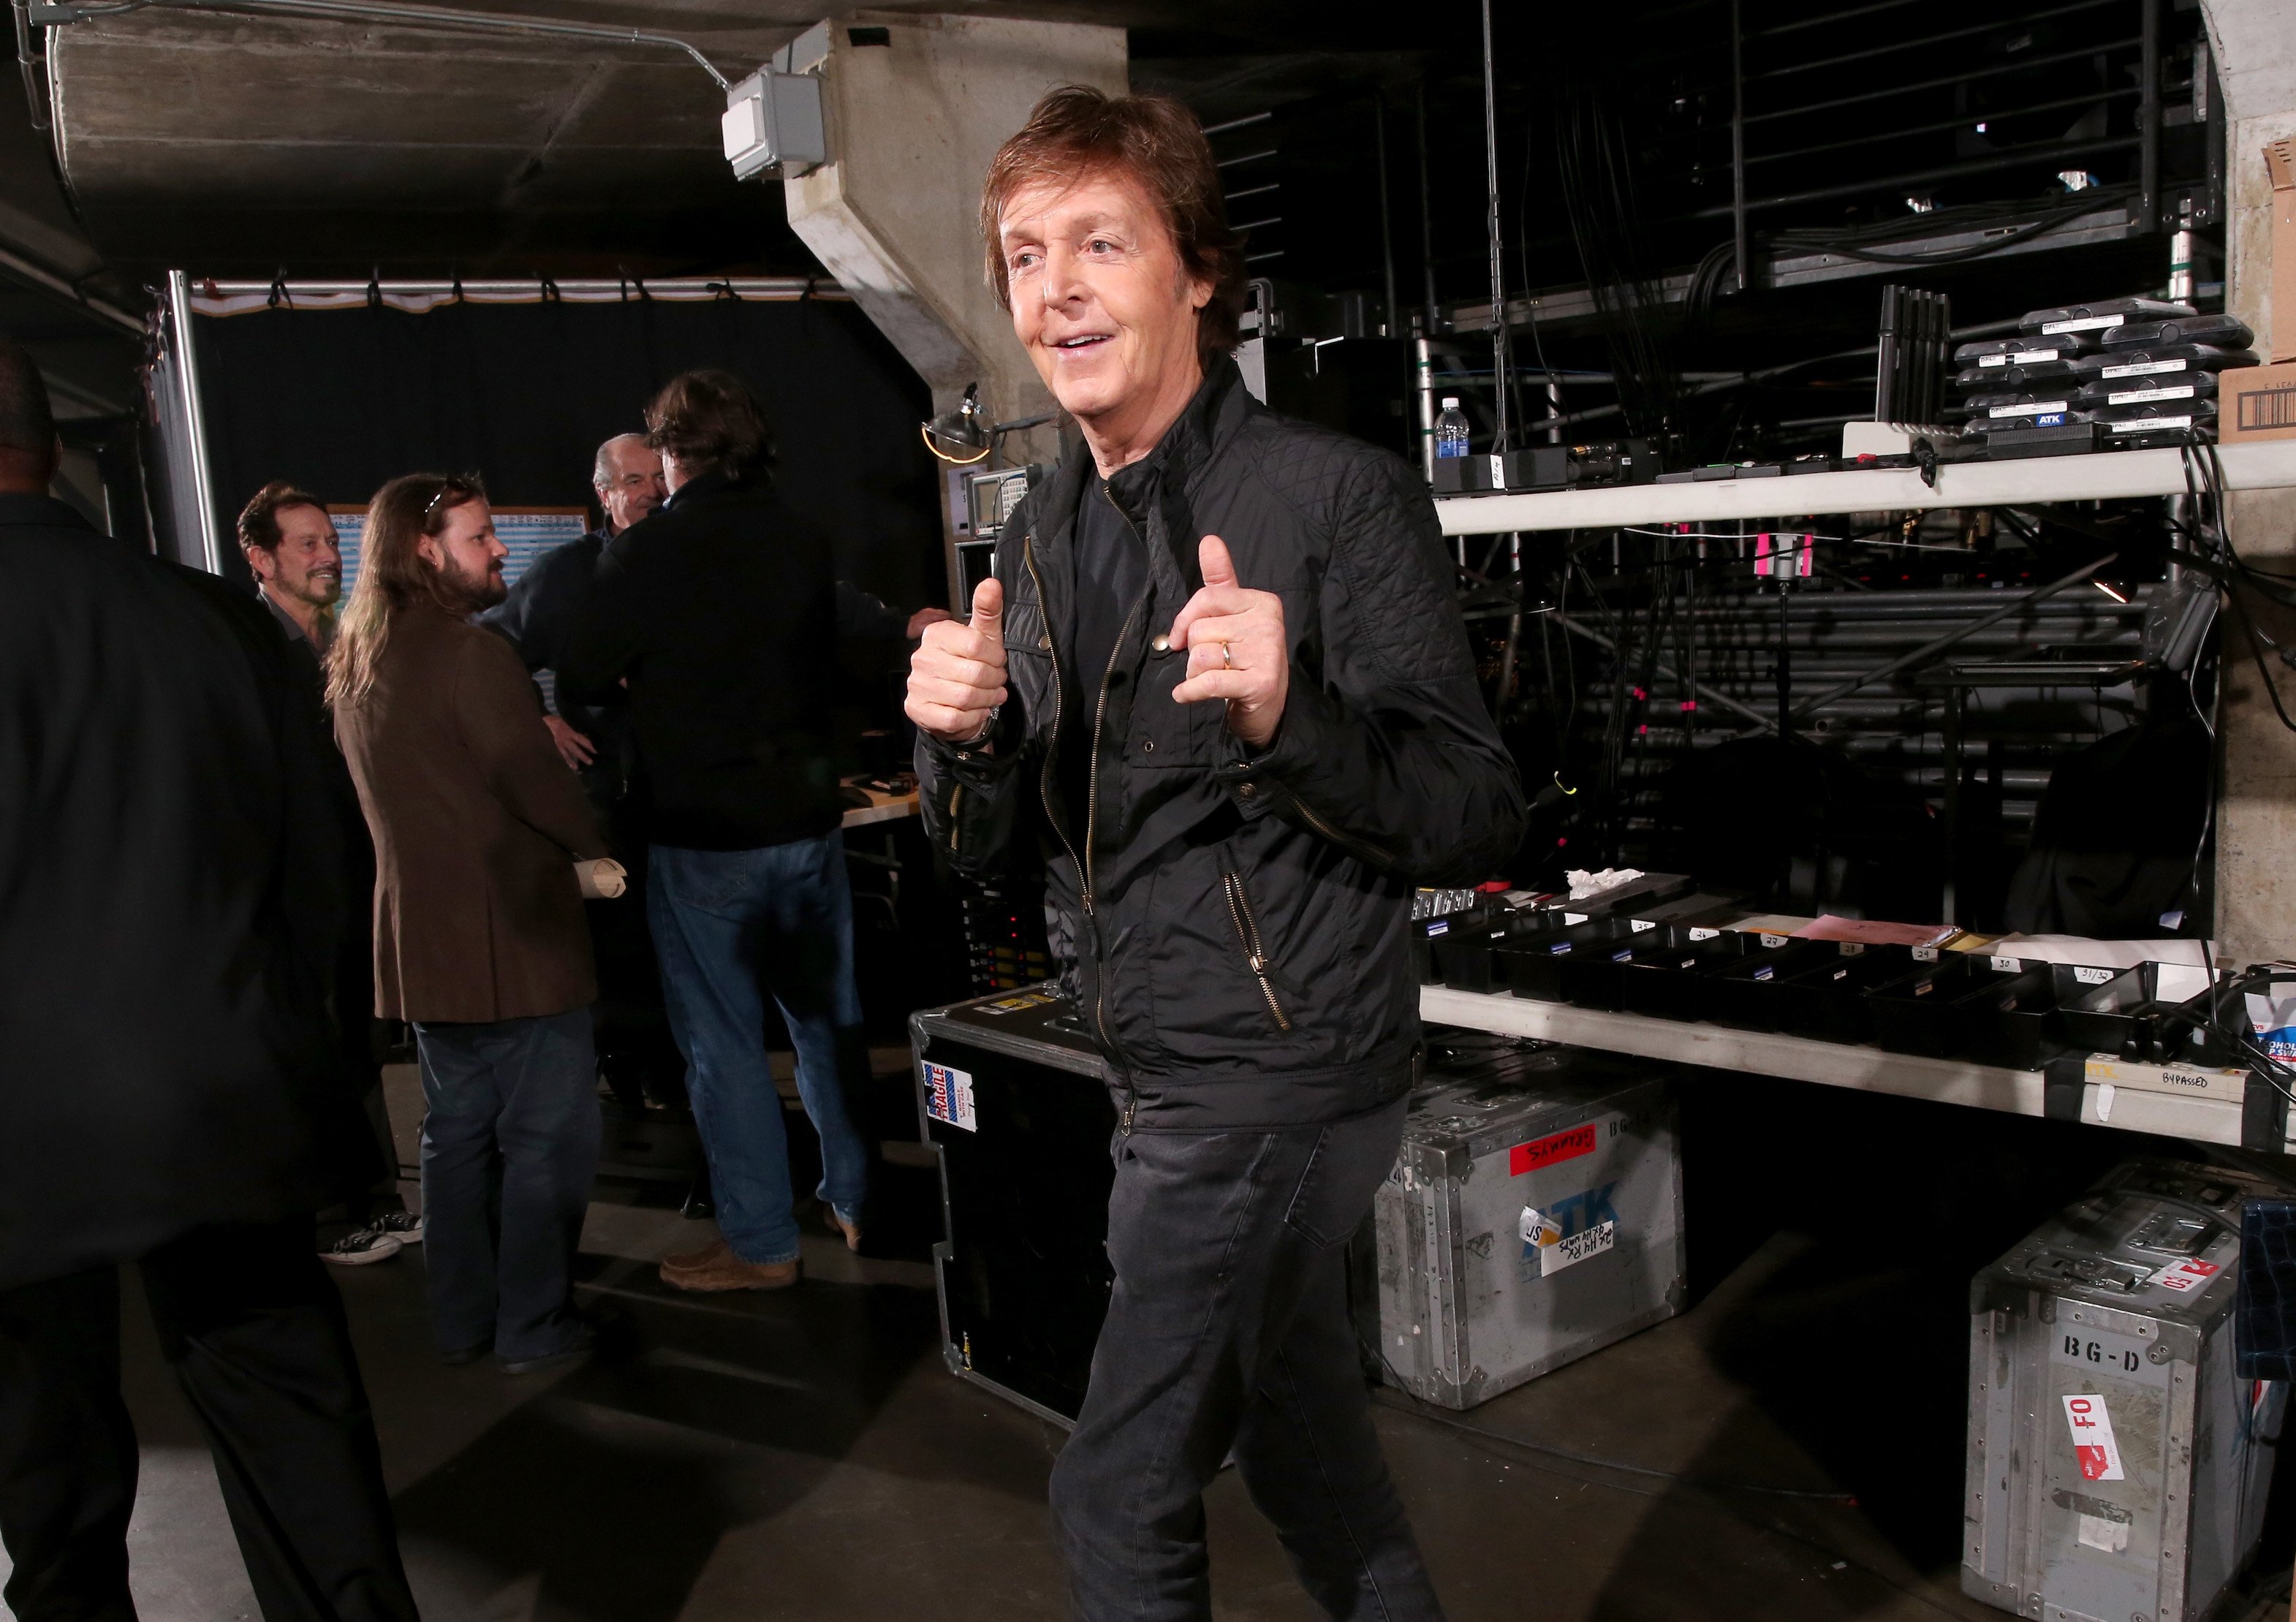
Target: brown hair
column 258, row 520
column 712, row 422
column 391, row 573
column 1156, row 143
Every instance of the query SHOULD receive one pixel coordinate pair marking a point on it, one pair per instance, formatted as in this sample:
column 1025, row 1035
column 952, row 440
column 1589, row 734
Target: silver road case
column 2117, row 1467
column 1534, row 1215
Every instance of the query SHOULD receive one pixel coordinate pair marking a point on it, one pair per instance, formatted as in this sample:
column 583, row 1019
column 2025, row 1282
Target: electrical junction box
column 772, row 126
column 2117, row 1463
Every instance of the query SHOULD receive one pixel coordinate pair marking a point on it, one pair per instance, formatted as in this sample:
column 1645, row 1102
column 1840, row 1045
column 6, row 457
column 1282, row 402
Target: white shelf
column 1834, row 1064
column 2104, row 476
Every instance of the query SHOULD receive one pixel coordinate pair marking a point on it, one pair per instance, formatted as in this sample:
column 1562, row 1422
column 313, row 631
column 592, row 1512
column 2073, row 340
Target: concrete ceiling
column 237, row 144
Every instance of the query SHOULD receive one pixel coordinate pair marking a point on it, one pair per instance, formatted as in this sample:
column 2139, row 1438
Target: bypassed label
column 2231, row 1086
column 2151, row 368
column 1553, row 1151
column 2187, row 1276
column 2093, row 1448
column 2138, row 396
column 948, row 1096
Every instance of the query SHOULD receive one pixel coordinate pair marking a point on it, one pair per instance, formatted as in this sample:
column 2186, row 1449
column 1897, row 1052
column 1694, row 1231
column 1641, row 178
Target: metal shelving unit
column 1952, row 1081
column 2105, row 476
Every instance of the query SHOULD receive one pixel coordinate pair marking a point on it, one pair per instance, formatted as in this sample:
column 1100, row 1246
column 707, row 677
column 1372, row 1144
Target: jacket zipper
column 1091, row 811
column 1247, row 932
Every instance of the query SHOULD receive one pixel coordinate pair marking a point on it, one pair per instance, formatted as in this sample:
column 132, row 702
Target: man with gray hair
column 540, row 609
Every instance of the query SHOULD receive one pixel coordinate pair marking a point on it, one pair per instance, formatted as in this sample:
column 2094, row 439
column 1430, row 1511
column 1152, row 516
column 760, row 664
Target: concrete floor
column 804, row 1456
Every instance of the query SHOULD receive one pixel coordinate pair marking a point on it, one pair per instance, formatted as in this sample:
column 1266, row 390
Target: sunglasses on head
column 453, row 490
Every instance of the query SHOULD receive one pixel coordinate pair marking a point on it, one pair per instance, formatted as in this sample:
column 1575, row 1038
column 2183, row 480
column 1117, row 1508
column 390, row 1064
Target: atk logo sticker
column 1567, row 1232
column 2097, row 1454
column 948, row 1096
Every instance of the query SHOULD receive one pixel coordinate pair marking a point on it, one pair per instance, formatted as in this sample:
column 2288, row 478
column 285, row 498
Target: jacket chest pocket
column 1166, row 733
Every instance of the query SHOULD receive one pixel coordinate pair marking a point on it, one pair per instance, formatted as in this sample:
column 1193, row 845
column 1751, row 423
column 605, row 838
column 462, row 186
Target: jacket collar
column 1152, row 489
column 42, row 512
column 707, row 490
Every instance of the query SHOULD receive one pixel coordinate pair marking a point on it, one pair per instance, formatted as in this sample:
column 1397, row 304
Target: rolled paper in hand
column 602, row 880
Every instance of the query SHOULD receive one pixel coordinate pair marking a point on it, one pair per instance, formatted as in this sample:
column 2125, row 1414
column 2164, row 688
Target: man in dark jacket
column 1219, row 674
column 292, row 551
column 169, row 909
column 721, row 610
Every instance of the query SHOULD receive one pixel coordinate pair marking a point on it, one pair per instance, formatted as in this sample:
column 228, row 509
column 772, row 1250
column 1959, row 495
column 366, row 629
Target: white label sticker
column 2085, row 324
column 1570, row 1252
column 2138, row 396
column 2105, row 1094
column 1639, row 924
column 2148, row 425
column 1925, row 955
column 2145, row 368
column 2185, row 1276
column 2022, row 357
column 2093, row 1448
column 1571, row 918
column 1774, row 940
column 2094, row 977
column 1704, row 934
column 2099, row 1532
column 2032, row 408
column 948, row 1096
column 2007, row 965
column 1442, row 926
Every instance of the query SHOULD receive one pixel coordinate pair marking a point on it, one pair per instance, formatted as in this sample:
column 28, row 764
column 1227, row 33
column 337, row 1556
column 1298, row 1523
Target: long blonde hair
column 391, row 574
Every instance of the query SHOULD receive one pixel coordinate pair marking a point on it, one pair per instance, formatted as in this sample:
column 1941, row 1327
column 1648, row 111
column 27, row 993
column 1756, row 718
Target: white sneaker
column 357, row 1249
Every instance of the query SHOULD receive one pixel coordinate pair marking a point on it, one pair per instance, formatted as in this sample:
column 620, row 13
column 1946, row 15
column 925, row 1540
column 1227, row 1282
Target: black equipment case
column 1014, row 1098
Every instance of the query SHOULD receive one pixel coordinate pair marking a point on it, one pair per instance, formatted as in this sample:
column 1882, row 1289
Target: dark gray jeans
column 1228, row 1329
column 509, row 1148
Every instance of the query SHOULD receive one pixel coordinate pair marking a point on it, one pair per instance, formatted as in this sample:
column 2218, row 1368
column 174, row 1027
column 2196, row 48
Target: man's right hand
column 573, row 748
column 957, row 675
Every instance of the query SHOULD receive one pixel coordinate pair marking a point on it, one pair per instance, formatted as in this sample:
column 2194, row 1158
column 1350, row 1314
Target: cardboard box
column 2280, row 162
column 2259, row 402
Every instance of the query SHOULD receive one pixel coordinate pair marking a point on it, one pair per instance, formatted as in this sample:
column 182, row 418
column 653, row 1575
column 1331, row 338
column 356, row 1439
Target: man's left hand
column 1237, row 649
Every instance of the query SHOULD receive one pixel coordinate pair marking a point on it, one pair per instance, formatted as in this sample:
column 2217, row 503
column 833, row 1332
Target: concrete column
column 2255, row 46
column 913, row 123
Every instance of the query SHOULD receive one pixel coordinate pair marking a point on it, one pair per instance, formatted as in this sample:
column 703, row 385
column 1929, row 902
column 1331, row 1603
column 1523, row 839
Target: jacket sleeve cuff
column 982, row 760
column 1258, row 781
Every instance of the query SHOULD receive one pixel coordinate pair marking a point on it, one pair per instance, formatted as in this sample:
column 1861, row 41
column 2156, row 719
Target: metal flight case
column 1534, row 1215
column 1014, row 1096
column 2117, row 1466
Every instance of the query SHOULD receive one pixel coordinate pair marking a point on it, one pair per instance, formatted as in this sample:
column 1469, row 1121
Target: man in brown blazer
column 479, row 935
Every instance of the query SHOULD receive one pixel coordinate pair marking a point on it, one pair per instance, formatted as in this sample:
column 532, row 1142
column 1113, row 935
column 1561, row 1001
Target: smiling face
column 1104, row 308
column 306, row 568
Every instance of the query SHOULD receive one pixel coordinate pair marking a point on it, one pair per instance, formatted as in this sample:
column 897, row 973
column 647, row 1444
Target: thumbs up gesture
column 957, row 675
column 1237, row 649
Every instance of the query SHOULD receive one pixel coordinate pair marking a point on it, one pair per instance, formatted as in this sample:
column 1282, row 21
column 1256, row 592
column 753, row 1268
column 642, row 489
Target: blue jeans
column 509, row 1147
column 726, row 922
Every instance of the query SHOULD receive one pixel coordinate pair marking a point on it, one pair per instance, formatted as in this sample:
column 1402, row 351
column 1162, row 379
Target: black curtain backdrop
column 339, row 401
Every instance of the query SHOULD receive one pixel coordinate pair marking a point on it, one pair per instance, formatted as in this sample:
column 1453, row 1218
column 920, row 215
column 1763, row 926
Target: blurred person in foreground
column 480, row 941
column 721, row 612
column 168, row 861
column 296, row 557
column 1219, row 674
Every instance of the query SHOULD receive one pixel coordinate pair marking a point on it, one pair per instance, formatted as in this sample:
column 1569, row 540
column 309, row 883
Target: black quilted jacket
column 1233, row 927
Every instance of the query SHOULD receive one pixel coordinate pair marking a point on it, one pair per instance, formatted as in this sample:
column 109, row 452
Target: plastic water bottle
column 1451, row 430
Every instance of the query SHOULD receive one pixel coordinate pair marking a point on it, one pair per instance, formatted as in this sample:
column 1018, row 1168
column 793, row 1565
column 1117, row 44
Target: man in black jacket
column 721, row 610
column 170, row 870
column 1220, row 672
